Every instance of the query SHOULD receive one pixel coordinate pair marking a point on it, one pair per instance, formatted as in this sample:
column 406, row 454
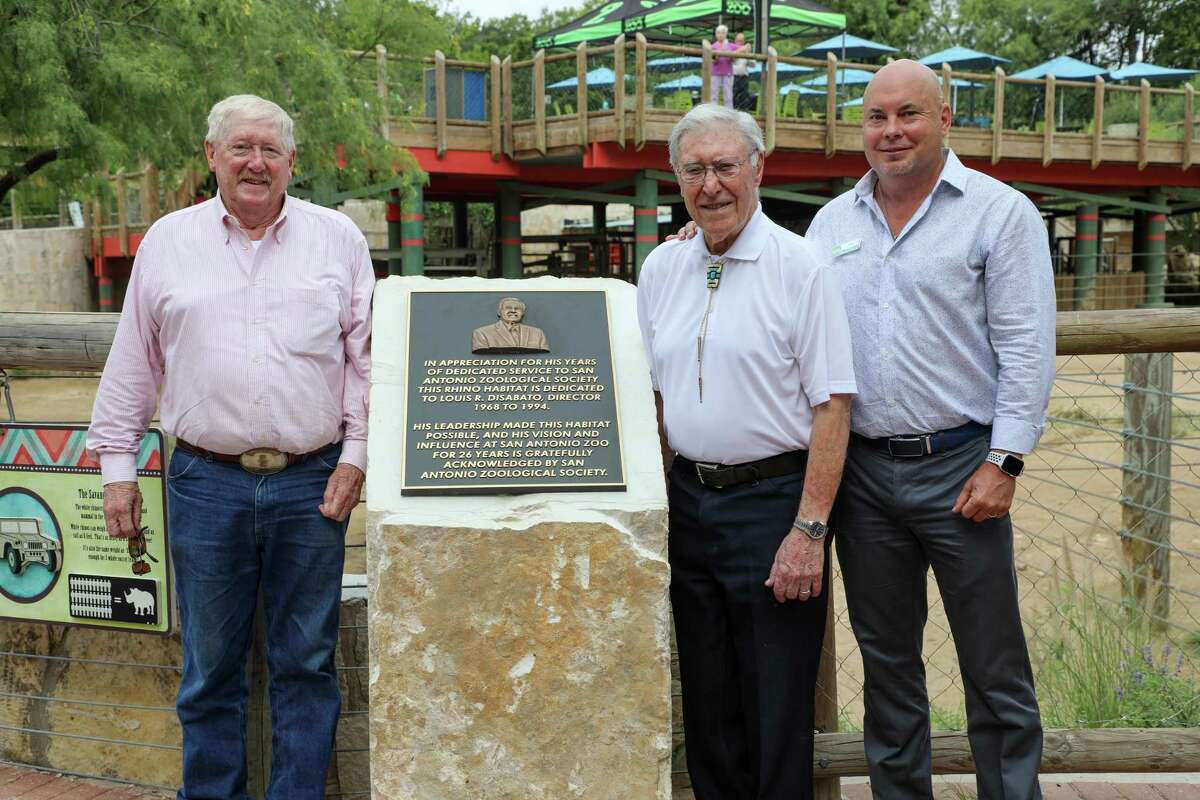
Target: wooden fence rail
column 80, row 341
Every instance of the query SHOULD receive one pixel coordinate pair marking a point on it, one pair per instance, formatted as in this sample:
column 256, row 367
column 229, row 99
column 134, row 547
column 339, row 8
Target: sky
column 490, row 9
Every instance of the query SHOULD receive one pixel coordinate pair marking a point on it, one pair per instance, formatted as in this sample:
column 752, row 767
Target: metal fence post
column 1146, row 485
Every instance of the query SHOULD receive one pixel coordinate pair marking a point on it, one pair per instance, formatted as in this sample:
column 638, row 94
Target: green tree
column 512, row 35
column 94, row 84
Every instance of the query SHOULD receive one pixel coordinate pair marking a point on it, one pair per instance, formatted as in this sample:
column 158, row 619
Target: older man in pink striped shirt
column 251, row 313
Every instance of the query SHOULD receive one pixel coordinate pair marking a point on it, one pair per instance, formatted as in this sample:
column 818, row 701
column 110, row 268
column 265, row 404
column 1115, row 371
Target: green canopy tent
column 689, row 21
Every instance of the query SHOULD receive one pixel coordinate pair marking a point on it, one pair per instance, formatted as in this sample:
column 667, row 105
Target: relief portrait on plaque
column 509, row 334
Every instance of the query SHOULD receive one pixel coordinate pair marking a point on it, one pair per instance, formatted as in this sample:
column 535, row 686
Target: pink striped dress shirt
column 251, row 346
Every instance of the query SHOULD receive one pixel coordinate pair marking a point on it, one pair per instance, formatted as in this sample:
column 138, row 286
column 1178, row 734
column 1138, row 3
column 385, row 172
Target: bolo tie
column 713, row 276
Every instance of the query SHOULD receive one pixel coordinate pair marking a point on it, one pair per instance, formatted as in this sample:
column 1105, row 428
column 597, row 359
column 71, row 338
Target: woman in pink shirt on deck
column 722, row 68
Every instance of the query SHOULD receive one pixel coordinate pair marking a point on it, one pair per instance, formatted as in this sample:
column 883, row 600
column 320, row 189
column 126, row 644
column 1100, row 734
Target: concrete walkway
column 1087, row 788
column 18, row 783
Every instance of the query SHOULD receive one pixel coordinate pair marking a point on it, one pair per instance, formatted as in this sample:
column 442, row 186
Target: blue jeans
column 232, row 532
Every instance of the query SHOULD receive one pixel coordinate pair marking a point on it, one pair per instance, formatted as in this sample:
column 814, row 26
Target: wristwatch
column 812, row 528
column 1008, row 463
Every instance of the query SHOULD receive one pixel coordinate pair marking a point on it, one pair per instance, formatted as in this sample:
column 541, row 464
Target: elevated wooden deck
column 535, row 130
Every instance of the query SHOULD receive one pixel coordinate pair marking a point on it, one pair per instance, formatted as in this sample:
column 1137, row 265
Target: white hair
column 708, row 115
column 503, row 300
column 249, row 106
column 722, row 29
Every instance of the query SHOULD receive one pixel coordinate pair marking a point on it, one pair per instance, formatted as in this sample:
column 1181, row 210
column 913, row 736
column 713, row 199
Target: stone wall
column 44, row 269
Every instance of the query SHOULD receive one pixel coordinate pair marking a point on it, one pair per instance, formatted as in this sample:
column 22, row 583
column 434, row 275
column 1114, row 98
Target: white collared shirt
column 953, row 320
column 778, row 343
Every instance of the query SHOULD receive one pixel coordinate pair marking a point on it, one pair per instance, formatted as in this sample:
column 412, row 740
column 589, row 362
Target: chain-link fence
column 1107, row 546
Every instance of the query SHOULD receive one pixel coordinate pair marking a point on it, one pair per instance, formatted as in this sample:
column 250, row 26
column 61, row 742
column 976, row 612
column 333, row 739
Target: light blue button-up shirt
column 952, row 320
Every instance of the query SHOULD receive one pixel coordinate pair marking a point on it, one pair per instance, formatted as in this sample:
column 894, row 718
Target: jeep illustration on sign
column 22, row 541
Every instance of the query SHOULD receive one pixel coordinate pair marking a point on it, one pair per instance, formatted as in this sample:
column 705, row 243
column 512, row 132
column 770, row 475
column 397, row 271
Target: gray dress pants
column 893, row 521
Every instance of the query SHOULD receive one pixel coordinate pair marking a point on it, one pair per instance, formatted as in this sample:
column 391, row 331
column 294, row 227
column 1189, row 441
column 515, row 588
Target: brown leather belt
column 258, row 461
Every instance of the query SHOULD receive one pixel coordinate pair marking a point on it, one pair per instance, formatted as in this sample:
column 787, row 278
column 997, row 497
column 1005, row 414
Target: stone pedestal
column 519, row 644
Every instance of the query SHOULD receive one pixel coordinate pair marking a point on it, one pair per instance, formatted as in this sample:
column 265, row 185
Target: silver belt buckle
column 700, row 471
column 263, row 461
column 928, row 448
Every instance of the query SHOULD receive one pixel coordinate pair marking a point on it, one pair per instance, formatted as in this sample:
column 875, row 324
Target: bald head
column 916, row 79
column 905, row 121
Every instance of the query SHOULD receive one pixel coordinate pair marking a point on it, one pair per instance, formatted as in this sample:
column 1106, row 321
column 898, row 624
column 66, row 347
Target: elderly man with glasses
column 251, row 313
column 750, row 360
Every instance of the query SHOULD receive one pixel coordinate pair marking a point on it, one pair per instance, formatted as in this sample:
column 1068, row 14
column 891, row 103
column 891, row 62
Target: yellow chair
column 791, row 104
column 852, row 114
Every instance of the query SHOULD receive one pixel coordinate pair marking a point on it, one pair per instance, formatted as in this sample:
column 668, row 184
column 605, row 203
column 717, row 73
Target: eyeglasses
column 696, row 173
column 243, row 150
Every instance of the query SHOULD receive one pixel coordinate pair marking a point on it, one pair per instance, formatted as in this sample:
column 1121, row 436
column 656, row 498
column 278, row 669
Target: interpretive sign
column 510, row 392
column 59, row 563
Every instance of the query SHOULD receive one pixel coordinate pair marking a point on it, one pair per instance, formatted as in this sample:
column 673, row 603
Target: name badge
column 847, row 247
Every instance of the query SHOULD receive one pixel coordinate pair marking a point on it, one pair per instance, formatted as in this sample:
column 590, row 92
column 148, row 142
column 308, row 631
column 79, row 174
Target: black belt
column 722, row 476
column 926, row 444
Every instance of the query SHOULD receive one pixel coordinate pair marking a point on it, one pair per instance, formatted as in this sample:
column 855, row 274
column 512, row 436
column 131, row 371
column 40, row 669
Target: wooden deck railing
column 526, row 118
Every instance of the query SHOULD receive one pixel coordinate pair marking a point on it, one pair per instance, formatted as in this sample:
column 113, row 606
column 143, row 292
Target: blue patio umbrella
column 846, row 77
column 798, row 87
column 674, row 64
column 600, row 76
column 1151, row 72
column 686, row 82
column 845, row 46
column 1063, row 68
column 780, row 68
column 962, row 58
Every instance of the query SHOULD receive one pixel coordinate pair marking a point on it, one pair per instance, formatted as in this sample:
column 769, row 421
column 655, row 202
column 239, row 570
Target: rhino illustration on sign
column 142, row 602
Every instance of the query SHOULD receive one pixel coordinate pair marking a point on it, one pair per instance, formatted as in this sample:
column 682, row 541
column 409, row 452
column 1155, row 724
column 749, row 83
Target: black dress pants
column 748, row 664
column 894, row 521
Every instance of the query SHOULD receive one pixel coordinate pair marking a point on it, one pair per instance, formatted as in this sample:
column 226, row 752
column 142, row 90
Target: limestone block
column 519, row 645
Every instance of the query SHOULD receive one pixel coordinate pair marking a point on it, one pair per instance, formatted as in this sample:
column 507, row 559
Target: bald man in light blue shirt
column 949, row 292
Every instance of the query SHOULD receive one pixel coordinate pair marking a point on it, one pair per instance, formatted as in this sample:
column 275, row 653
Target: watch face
column 1012, row 465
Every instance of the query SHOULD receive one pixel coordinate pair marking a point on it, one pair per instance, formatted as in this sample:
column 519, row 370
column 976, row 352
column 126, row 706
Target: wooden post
column 826, row 701
column 439, row 81
column 1146, row 485
column 1048, row 130
column 947, row 87
column 506, row 88
column 16, row 209
column 1098, row 123
column 1189, row 130
column 619, row 88
column 539, row 101
column 581, row 93
column 831, row 63
column 639, row 92
column 770, row 97
column 1144, row 125
column 706, row 64
column 122, row 214
column 381, row 90
column 495, row 113
column 150, row 208
column 998, row 116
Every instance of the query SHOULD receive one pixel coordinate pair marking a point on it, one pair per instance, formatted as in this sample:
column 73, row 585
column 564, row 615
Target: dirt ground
column 1067, row 515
